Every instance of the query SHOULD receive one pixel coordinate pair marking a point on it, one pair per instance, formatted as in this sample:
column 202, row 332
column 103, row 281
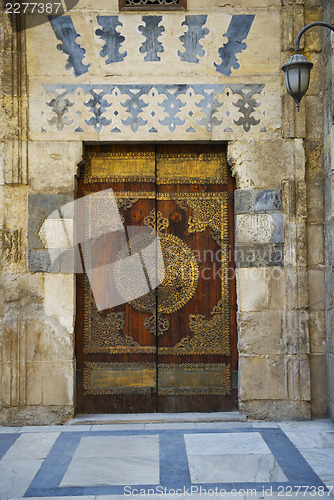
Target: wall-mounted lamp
column 297, row 70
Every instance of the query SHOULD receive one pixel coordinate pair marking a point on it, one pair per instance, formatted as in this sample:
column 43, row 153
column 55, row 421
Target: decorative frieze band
column 152, row 108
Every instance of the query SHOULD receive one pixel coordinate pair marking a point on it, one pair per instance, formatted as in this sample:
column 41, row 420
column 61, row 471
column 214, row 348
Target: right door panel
column 194, row 301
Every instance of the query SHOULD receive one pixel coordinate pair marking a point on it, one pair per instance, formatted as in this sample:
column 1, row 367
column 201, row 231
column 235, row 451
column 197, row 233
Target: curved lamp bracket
column 312, row 25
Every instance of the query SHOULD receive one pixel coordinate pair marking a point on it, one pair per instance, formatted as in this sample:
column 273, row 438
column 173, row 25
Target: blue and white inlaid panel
column 152, row 109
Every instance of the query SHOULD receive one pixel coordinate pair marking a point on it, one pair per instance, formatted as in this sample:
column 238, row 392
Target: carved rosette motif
column 181, row 275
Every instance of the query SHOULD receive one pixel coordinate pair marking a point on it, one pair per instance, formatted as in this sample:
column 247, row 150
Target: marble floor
column 173, row 460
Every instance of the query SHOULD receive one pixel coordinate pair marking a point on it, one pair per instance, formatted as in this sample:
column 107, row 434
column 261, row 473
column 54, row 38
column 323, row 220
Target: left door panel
column 116, row 371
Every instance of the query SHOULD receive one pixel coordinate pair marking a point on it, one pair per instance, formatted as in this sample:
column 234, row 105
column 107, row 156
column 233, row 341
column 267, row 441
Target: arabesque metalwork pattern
column 204, row 335
column 105, row 334
column 181, row 275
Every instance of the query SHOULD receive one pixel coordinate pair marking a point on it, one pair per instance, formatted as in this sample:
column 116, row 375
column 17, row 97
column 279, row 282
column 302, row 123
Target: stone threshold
column 156, row 418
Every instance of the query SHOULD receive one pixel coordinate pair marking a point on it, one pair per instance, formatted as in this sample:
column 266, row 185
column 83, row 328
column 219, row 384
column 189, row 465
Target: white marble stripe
column 235, row 468
column 229, row 443
column 307, row 426
column 30, row 446
column 111, row 471
column 92, row 497
column 118, row 427
column 56, row 428
column 16, row 476
column 9, row 430
column 311, row 439
column 118, row 446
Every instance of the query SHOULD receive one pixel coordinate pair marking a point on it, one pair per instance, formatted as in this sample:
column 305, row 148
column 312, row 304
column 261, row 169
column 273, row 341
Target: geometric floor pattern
column 179, row 461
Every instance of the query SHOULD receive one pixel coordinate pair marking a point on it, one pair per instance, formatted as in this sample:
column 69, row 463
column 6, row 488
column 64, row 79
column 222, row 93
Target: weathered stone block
column 34, row 240
column 315, row 242
column 313, row 37
column 316, row 288
column 319, row 377
column 260, row 333
column 13, row 248
column 40, row 206
column 57, row 233
column 314, row 108
column 283, row 159
column 59, row 298
column 295, row 338
column 40, row 262
column 319, row 408
column 300, row 379
column 292, row 23
column 328, row 148
column 252, row 292
column 275, row 287
column 2, row 296
column 260, row 228
column 24, row 292
column 317, row 327
column 328, row 105
column 274, row 377
column 47, row 340
column 331, row 383
column 243, row 201
column 296, row 288
column 316, row 86
column 2, row 205
column 60, row 158
column 315, row 196
column 262, row 377
column 328, row 198
column 266, row 200
column 36, row 415
column 294, row 200
column 254, row 229
column 34, row 381
column 331, row 198
column 270, row 255
column 14, row 155
column 6, row 392
column 314, row 159
column 276, row 410
column 42, row 232
column 330, row 331
column 295, row 244
column 69, row 262
column 329, row 290
column 58, row 383
column 329, row 245
column 16, row 207
column 278, row 232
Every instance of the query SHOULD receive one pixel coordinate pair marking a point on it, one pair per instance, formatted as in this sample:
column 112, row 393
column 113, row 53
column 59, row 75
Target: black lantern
column 297, row 69
column 297, row 76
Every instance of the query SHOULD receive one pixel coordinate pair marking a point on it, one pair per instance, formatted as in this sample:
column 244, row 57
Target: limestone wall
column 125, row 78
column 328, row 13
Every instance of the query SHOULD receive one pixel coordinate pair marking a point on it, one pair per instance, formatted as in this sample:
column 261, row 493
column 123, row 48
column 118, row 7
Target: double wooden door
column 174, row 348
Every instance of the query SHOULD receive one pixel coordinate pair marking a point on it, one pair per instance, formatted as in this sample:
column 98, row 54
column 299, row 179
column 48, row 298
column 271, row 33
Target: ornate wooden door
column 174, row 348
